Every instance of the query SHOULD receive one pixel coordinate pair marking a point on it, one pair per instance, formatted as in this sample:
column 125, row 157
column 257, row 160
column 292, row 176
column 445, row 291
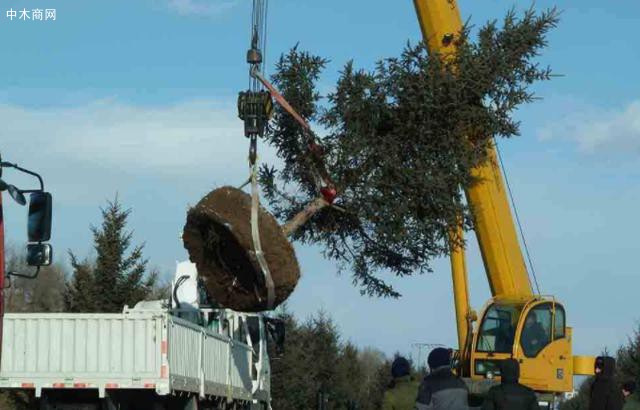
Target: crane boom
column 494, row 226
column 507, row 323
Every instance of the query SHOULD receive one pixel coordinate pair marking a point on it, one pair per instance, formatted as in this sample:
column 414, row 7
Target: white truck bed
column 130, row 350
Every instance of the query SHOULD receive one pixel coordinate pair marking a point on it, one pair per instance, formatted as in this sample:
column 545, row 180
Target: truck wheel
column 107, row 404
column 180, row 403
column 44, row 403
column 192, row 404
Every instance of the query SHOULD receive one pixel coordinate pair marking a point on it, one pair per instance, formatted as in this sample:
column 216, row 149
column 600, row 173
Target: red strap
column 324, row 175
column 280, row 99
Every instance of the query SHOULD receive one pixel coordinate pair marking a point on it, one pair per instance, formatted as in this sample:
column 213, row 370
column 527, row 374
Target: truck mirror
column 17, row 195
column 14, row 192
column 39, row 227
column 39, row 254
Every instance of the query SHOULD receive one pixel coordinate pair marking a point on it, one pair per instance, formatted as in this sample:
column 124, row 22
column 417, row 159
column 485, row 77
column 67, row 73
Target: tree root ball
column 217, row 236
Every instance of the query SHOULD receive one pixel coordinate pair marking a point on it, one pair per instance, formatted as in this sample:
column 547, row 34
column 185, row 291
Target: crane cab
column 534, row 332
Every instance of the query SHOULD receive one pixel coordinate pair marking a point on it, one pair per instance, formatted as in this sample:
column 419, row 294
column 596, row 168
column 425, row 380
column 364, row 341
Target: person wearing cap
column 510, row 394
column 441, row 389
column 604, row 393
column 631, row 399
column 402, row 391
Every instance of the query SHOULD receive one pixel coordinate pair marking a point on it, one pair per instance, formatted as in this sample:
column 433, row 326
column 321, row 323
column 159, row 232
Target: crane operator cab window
column 498, row 329
column 536, row 332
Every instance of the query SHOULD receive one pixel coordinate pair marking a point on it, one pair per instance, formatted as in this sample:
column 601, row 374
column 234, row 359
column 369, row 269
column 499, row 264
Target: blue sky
column 138, row 97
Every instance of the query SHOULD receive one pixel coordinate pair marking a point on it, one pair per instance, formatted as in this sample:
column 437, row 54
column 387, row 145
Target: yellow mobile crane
column 516, row 322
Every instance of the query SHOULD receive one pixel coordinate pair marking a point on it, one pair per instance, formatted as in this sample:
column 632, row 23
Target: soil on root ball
column 217, row 236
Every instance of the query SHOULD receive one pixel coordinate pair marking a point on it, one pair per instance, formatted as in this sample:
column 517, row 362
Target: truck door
column 253, row 323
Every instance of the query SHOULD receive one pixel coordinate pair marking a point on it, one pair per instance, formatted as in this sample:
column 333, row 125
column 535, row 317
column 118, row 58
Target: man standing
column 510, row 394
column 441, row 389
column 605, row 395
column 631, row 399
column 402, row 392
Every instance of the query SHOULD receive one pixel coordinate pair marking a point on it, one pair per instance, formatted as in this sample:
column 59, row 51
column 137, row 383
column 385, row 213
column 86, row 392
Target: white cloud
column 201, row 7
column 595, row 130
column 195, row 142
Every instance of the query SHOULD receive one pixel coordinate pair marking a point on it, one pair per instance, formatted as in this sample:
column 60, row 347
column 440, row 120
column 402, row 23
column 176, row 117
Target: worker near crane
column 510, row 394
column 605, row 394
column 441, row 389
column 631, row 399
column 402, row 392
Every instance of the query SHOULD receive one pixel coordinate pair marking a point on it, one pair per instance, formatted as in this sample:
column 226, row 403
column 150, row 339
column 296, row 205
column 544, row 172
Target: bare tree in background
column 42, row 294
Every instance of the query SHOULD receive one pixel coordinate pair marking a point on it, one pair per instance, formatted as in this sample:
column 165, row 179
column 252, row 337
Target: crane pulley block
column 254, row 56
column 255, row 109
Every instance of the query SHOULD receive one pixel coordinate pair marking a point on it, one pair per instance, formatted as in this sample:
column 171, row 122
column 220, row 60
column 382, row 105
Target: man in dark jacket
column 510, row 395
column 631, row 399
column 401, row 394
column 441, row 389
column 605, row 394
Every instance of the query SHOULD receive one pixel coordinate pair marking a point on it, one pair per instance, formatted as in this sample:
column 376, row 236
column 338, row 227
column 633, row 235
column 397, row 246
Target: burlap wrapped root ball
column 217, row 236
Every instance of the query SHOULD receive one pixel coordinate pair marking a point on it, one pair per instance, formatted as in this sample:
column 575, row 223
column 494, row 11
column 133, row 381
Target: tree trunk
column 303, row 216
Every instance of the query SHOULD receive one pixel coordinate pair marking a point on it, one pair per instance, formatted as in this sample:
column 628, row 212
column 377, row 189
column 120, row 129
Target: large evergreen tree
column 316, row 361
column 350, row 376
column 80, row 290
column 290, row 382
column 119, row 274
column 401, row 140
column 629, row 359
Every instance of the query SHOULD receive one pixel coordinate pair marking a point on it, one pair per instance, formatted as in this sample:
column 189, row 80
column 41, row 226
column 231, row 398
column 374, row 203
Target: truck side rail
column 208, row 363
column 65, row 350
